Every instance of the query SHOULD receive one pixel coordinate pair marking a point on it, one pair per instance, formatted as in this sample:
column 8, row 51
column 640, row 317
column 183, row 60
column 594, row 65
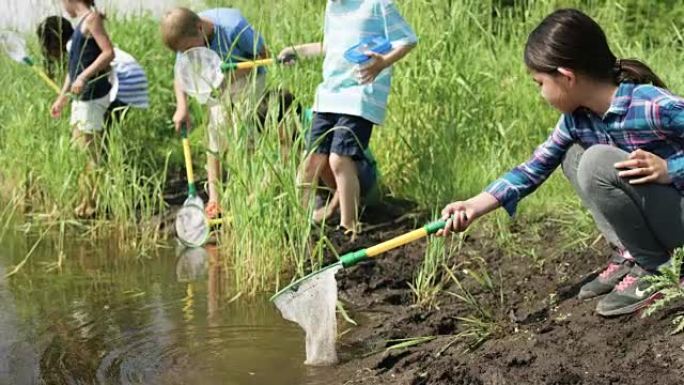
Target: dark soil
column 544, row 335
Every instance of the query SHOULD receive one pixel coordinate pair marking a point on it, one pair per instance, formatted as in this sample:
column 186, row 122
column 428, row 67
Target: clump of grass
column 483, row 320
column 430, row 279
column 269, row 232
column 427, row 283
column 668, row 285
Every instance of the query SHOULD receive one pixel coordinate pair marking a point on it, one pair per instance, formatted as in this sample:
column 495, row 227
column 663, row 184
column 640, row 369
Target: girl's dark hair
column 53, row 34
column 91, row 4
column 54, row 31
column 571, row 39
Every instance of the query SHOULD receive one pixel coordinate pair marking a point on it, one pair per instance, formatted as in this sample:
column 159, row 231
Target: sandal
column 350, row 234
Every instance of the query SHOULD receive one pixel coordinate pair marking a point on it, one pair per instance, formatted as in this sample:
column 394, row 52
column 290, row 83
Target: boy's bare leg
column 328, row 177
column 213, row 177
column 314, row 168
column 347, row 180
column 87, row 184
column 326, row 212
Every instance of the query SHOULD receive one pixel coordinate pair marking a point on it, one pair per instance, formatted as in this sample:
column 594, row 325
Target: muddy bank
column 541, row 334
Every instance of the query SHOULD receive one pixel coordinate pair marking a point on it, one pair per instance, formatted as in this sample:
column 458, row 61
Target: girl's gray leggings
column 647, row 220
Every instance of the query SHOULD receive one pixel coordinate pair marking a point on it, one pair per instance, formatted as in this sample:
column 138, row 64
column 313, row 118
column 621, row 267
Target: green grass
column 462, row 111
column 668, row 284
column 482, row 320
column 430, row 278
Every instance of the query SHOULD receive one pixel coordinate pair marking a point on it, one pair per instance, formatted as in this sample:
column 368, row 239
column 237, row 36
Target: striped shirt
column 346, row 22
column 128, row 79
column 129, row 85
column 639, row 117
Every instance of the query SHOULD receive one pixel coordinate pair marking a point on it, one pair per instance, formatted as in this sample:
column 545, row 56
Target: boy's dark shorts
column 340, row 134
column 368, row 175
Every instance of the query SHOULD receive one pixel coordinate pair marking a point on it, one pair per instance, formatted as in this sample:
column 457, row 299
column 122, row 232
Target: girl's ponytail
column 634, row 71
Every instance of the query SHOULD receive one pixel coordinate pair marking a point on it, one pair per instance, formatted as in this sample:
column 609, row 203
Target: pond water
column 108, row 319
column 24, row 15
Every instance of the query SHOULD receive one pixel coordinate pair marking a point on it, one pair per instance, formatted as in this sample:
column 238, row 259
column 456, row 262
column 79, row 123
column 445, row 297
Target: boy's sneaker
column 617, row 268
column 628, row 296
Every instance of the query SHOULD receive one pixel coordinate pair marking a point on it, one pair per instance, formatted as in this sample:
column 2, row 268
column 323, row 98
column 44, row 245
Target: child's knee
column 596, row 169
column 571, row 161
column 81, row 138
column 340, row 164
column 315, row 162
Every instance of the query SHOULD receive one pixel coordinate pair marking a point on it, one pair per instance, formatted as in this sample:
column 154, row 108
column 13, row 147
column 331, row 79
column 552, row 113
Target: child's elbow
column 408, row 46
column 109, row 55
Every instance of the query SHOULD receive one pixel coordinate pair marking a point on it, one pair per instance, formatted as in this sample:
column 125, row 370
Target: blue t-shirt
column 234, row 39
column 346, row 22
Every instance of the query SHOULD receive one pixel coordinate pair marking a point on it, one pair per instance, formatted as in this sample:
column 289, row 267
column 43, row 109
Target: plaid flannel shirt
column 640, row 117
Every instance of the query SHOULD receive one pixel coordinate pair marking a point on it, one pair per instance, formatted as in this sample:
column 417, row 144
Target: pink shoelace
column 626, row 255
column 628, row 281
column 609, row 270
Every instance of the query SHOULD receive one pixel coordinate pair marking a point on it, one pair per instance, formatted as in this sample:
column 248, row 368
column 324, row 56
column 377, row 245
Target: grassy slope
column 462, row 111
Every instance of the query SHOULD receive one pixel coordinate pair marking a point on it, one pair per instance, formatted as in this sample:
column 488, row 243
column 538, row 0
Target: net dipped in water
column 312, row 306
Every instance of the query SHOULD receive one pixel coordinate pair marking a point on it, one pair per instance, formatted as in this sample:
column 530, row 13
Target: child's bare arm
column 397, row 54
column 95, row 26
column 380, row 62
column 66, row 86
column 60, row 102
column 303, row 51
column 460, row 215
column 263, row 54
column 182, row 114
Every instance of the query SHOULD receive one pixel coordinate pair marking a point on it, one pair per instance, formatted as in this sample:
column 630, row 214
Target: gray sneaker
column 628, row 296
column 607, row 279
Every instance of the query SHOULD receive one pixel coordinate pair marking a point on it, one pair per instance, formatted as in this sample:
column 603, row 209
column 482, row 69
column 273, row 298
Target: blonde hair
column 177, row 24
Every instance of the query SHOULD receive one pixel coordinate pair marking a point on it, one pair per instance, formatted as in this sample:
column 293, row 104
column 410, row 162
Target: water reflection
column 108, row 319
column 18, row 359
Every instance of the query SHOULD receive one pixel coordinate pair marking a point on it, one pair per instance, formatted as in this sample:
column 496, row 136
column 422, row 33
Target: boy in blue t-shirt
column 350, row 100
column 226, row 32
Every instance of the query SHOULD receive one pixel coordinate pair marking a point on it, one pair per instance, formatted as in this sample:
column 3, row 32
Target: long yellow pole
column 46, row 79
column 188, row 161
column 396, row 242
column 254, row 63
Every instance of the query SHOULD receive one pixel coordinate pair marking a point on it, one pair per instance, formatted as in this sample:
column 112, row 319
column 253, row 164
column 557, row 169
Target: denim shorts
column 339, row 134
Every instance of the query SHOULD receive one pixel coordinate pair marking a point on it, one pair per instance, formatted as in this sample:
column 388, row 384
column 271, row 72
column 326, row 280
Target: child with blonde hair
column 226, row 32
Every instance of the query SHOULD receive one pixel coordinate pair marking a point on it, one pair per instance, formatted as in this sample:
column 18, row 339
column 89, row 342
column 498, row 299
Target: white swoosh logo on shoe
column 640, row 293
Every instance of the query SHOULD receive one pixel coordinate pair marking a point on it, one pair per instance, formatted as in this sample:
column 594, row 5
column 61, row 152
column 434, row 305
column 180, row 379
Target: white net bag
column 13, row 45
column 192, row 265
column 312, row 306
column 192, row 226
column 199, row 72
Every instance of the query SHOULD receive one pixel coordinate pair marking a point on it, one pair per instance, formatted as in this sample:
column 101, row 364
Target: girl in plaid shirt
column 620, row 141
